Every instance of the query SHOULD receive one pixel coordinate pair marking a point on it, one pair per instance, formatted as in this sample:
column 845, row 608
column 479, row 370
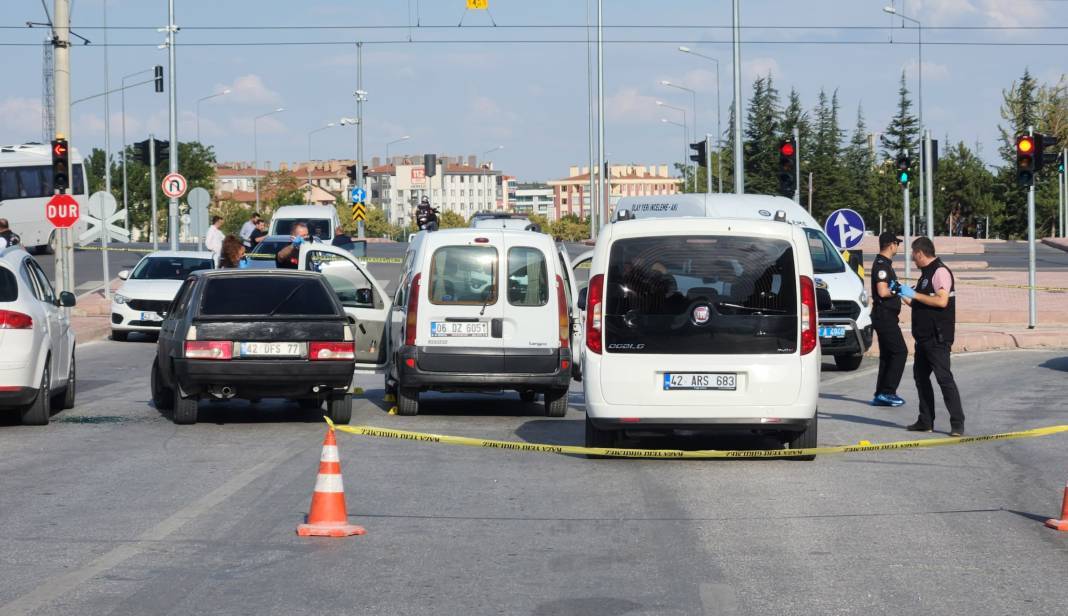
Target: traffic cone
column 1061, row 524
column 328, row 517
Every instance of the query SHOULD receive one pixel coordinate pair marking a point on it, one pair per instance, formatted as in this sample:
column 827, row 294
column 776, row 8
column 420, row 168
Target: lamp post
column 395, row 141
column 256, row 150
column 929, row 208
column 685, row 132
column 125, row 186
column 719, row 132
column 685, row 161
column 199, row 100
column 308, row 165
column 491, row 151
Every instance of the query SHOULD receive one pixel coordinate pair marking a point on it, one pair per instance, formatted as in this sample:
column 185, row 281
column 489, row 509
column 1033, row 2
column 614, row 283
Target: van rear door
column 701, row 320
column 532, row 304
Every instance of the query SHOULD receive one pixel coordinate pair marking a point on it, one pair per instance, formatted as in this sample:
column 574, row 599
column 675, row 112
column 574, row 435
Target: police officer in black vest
column 934, row 317
column 886, row 306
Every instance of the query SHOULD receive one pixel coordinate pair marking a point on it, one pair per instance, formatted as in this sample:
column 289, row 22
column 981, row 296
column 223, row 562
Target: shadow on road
column 1057, row 363
column 858, row 419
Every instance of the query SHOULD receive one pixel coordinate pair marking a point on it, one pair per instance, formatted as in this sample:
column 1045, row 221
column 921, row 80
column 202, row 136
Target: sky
column 469, row 89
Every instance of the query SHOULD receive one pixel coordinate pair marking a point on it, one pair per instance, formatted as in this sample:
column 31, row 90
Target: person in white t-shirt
column 213, row 239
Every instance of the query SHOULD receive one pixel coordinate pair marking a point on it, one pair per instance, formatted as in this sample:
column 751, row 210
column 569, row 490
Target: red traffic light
column 59, row 148
column 787, row 148
column 1025, row 145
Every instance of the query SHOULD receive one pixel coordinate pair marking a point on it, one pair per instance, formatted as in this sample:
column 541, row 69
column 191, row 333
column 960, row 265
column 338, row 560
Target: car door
column 58, row 328
column 363, row 298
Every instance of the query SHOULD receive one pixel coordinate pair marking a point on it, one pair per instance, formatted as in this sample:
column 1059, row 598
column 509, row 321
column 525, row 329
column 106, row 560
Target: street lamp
column 685, row 158
column 256, row 151
column 719, row 133
column 928, row 210
column 491, row 151
column 125, row 188
column 685, row 150
column 199, row 100
column 308, row 165
column 404, row 138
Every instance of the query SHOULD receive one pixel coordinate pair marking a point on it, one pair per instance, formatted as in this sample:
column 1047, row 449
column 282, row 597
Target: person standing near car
column 934, row 316
column 248, row 228
column 258, row 233
column 213, row 239
column 886, row 307
column 7, row 236
column 233, row 254
column 289, row 256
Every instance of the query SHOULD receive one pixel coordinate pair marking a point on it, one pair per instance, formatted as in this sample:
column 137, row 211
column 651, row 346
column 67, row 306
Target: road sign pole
column 797, row 166
column 172, row 30
column 708, row 163
column 908, row 234
column 152, row 182
column 61, row 88
column 104, row 245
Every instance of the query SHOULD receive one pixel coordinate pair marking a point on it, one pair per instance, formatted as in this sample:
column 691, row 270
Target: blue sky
column 469, row 97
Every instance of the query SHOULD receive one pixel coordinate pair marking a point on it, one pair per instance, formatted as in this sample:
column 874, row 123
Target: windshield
column 464, row 275
column 317, row 227
column 701, row 295
column 169, row 268
column 825, row 258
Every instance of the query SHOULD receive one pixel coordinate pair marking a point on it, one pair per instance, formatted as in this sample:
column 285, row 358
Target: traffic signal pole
column 797, row 166
column 1032, row 311
column 172, row 210
column 61, row 42
column 908, row 233
column 152, row 183
column 927, row 179
column 360, row 96
column 708, row 163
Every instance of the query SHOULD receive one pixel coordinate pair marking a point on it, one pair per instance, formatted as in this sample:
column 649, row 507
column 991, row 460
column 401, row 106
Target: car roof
column 721, row 205
column 219, row 273
column 12, row 253
column 466, row 234
column 304, row 211
column 182, row 254
column 690, row 225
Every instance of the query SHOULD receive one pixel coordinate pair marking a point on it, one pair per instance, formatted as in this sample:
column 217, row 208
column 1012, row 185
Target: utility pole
column 1032, row 310
column 153, row 183
column 107, row 128
column 592, row 197
column 708, row 163
column 739, row 165
column 61, row 42
column 605, row 198
column 928, row 182
column 172, row 210
column 361, row 96
column 797, row 165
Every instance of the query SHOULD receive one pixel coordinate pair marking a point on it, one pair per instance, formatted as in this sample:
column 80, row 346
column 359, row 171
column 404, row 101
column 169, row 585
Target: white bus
column 25, row 188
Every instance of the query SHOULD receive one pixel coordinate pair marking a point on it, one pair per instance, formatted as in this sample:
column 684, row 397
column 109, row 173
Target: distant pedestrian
column 258, row 233
column 233, row 253
column 248, row 228
column 213, row 239
column 7, row 236
column 886, row 308
column 934, row 316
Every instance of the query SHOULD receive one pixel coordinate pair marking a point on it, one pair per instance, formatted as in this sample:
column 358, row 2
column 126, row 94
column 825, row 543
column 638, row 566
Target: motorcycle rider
column 426, row 217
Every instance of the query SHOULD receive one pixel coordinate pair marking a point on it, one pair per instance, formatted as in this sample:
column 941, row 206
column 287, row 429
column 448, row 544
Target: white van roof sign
column 753, row 207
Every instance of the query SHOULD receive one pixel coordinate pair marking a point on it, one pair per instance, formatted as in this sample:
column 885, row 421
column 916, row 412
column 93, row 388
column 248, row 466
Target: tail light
column 809, row 339
column 594, row 308
column 410, row 325
column 208, row 349
column 564, row 314
column 331, row 351
column 9, row 319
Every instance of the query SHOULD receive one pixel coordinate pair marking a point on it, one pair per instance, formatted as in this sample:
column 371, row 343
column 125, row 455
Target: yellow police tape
column 863, row 447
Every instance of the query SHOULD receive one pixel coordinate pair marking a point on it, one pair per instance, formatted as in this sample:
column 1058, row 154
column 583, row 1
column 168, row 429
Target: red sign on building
column 62, row 211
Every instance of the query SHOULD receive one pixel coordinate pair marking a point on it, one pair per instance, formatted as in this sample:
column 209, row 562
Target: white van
column 25, row 188
column 482, row 310
column 700, row 323
column 845, row 327
column 322, row 220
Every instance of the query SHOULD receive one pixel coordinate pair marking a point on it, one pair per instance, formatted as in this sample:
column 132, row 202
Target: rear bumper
column 856, row 341
column 17, row 396
column 264, row 378
column 480, row 369
column 719, row 424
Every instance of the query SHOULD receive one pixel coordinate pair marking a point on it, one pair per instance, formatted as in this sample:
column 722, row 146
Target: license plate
column 273, row 349
column 459, row 330
column 723, row 381
column 832, row 332
column 150, row 316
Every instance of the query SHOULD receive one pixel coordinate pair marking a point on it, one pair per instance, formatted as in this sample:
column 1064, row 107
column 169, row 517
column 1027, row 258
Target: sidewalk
column 973, row 337
column 91, row 316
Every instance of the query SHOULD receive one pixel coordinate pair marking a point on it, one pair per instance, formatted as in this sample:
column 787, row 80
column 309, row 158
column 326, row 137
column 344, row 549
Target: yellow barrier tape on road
column 615, row 452
column 110, row 249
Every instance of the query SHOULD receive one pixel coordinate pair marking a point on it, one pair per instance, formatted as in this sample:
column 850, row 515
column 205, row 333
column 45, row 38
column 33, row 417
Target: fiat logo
column 701, row 315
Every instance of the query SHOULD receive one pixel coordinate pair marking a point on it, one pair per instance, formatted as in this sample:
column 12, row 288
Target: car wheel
column 185, row 409
column 848, row 363
column 38, row 412
column 162, row 396
column 556, row 403
column 595, row 437
column 528, row 395
column 805, row 439
column 407, row 401
column 65, row 399
column 118, row 336
column 340, row 409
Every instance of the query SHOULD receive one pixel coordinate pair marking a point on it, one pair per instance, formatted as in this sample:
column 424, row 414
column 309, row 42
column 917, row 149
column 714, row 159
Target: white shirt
column 3, row 243
column 247, row 229
column 213, row 240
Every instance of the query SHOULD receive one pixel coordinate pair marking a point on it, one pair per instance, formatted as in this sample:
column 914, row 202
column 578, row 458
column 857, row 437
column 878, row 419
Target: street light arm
column 132, row 85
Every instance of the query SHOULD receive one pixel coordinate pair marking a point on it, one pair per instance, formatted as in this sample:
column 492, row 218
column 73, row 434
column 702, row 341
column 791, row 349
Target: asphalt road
column 112, row 509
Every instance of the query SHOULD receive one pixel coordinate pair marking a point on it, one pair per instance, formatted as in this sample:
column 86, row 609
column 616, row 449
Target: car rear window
column 169, row 268
column 317, row 227
column 701, row 295
column 267, row 296
column 9, row 287
column 464, row 275
column 528, row 280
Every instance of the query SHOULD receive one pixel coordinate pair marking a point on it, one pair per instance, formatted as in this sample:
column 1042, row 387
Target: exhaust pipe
column 225, row 392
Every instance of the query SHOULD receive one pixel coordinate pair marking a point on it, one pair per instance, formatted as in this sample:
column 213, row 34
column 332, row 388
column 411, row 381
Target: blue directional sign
column 359, row 195
column 845, row 228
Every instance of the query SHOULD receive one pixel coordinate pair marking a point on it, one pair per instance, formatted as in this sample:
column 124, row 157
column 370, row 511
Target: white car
column 36, row 341
column 322, row 220
column 147, row 291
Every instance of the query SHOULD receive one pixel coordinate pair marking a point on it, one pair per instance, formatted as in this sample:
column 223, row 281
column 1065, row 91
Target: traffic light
column 430, row 165
column 1048, row 152
column 1025, row 161
column 352, row 173
column 904, row 166
column 700, row 155
column 159, row 78
column 787, row 167
column 60, row 164
column 934, row 157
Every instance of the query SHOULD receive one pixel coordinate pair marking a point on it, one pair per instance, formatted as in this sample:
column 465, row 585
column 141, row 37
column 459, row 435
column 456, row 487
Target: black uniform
column 884, row 318
column 933, row 328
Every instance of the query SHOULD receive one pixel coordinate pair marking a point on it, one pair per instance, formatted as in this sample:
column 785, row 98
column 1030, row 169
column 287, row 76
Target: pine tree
column 859, row 162
column 762, row 138
column 828, row 175
column 902, row 134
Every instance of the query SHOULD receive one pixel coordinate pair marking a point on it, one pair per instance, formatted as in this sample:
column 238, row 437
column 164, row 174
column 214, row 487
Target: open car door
column 364, row 299
column 578, row 323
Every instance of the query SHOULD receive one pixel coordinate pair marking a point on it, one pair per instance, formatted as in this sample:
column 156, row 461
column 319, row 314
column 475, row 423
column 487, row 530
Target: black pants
column 892, row 354
column 933, row 356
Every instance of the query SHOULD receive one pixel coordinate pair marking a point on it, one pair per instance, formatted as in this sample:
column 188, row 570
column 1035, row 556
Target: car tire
column 528, row 395
column 340, row 409
column 185, row 409
column 556, row 403
column 65, row 399
column 118, row 336
column 805, row 440
column 407, row 401
column 38, row 412
column 848, row 363
column 162, row 396
column 596, row 437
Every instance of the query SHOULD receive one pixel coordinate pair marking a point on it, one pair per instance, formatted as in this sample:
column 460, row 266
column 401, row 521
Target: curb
column 1059, row 243
column 977, row 341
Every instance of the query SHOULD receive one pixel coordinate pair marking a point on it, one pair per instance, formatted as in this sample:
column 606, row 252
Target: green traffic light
column 903, row 177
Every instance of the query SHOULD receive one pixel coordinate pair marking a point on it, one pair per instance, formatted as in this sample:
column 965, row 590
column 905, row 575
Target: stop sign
column 62, row 211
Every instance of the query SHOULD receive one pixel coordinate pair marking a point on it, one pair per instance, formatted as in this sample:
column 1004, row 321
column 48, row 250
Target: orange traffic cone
column 1061, row 524
column 328, row 517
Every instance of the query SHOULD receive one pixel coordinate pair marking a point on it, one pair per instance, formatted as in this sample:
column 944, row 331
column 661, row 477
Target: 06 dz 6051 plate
column 724, row 381
column 478, row 329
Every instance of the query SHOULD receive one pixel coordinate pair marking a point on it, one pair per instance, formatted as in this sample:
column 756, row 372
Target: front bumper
column 264, row 378
column 856, row 341
column 126, row 319
column 475, row 369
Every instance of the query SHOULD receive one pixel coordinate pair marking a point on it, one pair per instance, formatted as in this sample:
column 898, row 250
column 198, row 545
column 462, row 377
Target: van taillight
column 809, row 339
column 208, row 349
column 563, row 314
column 413, row 312
column 594, row 303
column 9, row 319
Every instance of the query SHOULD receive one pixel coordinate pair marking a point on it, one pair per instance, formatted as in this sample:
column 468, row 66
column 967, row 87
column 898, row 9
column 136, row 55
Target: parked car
column 37, row 368
column 148, row 290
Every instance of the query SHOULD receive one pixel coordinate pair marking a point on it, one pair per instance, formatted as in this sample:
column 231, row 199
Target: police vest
column 882, row 270
column 927, row 321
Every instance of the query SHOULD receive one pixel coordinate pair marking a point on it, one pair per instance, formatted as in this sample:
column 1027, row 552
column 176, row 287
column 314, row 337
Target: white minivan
column 322, row 220
column 697, row 323
column 845, row 328
column 482, row 310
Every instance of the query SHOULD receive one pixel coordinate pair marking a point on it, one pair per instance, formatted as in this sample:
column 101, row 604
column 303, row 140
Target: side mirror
column 823, row 301
column 581, row 303
column 66, row 300
column 124, row 275
column 365, row 296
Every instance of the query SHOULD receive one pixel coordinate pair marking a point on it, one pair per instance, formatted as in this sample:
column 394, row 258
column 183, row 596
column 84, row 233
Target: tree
column 762, row 136
column 825, row 162
column 279, row 188
column 902, row 134
column 195, row 161
column 964, row 182
column 1020, row 110
column 859, row 162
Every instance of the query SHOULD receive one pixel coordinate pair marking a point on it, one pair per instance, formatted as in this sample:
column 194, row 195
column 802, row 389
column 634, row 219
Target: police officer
column 934, row 316
column 886, row 306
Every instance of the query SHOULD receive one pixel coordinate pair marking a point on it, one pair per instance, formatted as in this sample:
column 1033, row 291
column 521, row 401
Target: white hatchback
column 141, row 302
column 37, row 372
